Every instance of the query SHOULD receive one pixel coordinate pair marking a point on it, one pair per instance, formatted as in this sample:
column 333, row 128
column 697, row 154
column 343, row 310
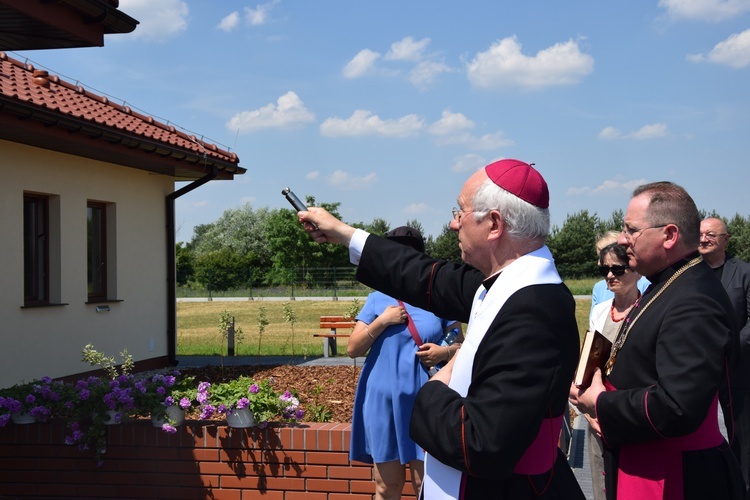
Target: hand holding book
column 594, row 354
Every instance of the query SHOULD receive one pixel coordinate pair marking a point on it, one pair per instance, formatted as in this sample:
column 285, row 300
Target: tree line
column 249, row 247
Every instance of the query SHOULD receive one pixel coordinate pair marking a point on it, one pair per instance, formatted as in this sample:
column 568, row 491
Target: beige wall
column 40, row 341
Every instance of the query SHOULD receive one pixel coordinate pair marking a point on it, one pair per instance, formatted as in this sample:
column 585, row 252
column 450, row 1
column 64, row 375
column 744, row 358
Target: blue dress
column 388, row 385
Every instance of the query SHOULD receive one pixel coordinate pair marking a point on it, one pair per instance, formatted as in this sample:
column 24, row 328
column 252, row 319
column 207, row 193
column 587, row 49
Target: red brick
column 304, row 495
column 265, row 495
column 362, row 487
column 310, row 471
column 203, row 455
column 224, row 494
column 317, row 457
column 330, row 485
column 364, row 473
column 348, row 496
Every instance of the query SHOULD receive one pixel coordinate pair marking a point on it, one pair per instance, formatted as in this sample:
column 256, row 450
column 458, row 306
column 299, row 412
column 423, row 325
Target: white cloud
column 259, row 15
column 425, row 73
column 733, row 52
column 348, row 181
column 311, row 176
column 450, row 123
column 362, row 64
column 158, row 20
column 407, row 50
column 705, row 10
column 452, row 128
column 288, row 112
column 485, row 142
column 229, row 22
column 416, row 208
column 468, row 163
column 363, row 122
column 504, row 66
column 610, row 133
column 608, row 187
column 652, row 131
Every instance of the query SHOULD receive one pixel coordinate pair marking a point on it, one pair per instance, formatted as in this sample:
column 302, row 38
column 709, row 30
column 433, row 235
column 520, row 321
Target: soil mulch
column 335, row 385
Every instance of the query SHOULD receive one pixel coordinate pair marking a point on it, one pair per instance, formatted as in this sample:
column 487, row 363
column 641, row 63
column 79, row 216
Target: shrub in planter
column 159, row 392
column 39, row 399
column 242, row 392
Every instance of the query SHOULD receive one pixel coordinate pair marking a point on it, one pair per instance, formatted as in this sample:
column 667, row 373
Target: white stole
column 535, row 268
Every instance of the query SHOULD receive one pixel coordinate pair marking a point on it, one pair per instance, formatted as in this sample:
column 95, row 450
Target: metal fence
column 333, row 282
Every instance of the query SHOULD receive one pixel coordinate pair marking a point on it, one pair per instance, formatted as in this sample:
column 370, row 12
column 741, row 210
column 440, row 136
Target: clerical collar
column 488, row 282
column 668, row 271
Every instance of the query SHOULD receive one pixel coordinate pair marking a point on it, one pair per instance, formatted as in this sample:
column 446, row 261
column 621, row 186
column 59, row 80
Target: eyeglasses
column 458, row 213
column 712, row 236
column 615, row 270
column 629, row 232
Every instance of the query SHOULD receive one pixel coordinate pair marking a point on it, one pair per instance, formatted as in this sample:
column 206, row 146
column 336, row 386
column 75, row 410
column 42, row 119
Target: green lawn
column 198, row 326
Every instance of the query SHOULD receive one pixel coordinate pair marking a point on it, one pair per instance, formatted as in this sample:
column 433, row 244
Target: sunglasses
column 616, row 270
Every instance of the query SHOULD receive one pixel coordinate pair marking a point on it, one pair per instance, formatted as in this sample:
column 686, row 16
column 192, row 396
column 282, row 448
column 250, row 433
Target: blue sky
column 388, row 106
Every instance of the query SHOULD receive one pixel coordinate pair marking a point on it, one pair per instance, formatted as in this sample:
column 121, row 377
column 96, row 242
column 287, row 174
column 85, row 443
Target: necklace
column 625, row 313
column 622, row 334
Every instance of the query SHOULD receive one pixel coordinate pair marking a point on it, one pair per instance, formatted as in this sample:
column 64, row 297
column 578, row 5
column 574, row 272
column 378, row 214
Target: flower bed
column 89, row 405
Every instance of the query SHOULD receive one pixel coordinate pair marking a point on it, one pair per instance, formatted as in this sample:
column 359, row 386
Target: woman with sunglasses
column 606, row 318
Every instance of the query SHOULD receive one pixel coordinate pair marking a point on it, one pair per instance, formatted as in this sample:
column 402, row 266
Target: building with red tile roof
column 87, row 216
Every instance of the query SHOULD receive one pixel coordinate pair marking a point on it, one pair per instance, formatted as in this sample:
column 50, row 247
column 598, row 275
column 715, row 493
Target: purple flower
column 185, row 403
column 243, row 403
column 30, row 399
column 13, row 405
column 169, row 429
column 300, row 414
column 204, row 386
column 169, row 401
column 221, row 409
column 207, row 411
column 4, row 419
column 254, row 389
column 202, row 397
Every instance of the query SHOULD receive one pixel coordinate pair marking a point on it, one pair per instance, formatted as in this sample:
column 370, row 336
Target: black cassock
column 521, row 374
column 665, row 382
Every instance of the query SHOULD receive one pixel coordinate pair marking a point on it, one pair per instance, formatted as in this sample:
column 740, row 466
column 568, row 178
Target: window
column 35, row 250
column 96, row 215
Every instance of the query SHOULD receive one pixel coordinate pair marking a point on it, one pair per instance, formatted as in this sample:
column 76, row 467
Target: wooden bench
column 329, row 339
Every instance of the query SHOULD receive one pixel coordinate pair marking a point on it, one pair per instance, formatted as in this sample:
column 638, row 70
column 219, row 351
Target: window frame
column 96, row 281
column 36, row 250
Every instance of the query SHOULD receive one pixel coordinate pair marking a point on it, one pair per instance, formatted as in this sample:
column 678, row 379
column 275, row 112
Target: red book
column 594, row 353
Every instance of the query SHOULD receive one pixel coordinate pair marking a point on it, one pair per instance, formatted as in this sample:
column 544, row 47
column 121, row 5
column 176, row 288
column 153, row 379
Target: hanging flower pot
column 240, row 418
column 112, row 417
column 174, row 415
column 22, row 418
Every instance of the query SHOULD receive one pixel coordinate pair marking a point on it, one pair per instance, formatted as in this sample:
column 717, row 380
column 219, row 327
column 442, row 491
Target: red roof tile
column 68, row 106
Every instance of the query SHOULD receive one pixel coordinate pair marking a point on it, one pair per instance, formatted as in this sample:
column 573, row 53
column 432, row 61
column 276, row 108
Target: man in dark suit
column 657, row 409
column 735, row 276
column 489, row 420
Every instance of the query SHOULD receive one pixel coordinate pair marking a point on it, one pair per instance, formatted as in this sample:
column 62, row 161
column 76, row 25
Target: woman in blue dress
column 393, row 372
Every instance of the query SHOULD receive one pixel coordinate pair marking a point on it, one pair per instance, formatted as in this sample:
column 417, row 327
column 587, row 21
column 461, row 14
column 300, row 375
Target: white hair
column 523, row 220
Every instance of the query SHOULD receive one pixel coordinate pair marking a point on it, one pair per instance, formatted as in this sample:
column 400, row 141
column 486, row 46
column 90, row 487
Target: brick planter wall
column 203, row 460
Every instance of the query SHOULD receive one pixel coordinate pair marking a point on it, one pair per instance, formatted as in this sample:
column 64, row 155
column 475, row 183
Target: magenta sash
column 541, row 455
column 653, row 470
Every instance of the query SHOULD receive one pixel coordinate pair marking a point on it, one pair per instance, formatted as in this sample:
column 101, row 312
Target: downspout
column 172, row 263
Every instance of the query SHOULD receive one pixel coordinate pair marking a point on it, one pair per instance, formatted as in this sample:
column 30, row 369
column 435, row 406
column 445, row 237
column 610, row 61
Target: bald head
column 713, row 241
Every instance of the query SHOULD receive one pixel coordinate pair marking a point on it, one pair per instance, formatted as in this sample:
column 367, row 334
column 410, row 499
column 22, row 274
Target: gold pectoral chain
column 622, row 334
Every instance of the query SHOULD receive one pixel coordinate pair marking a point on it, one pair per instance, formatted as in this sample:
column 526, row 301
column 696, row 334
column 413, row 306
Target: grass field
column 198, row 326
